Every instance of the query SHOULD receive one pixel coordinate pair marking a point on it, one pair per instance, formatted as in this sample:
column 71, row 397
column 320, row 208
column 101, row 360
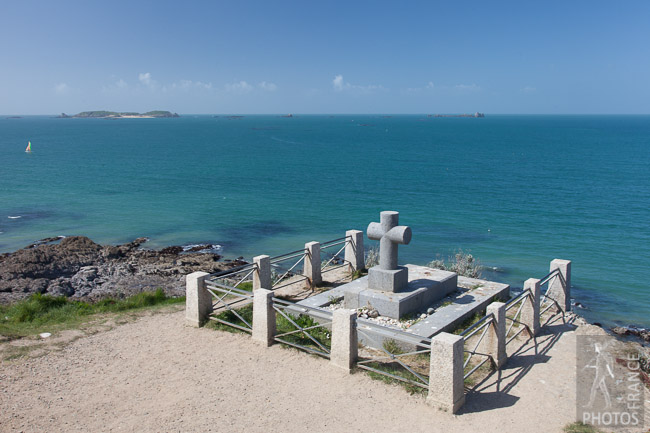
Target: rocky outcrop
column 78, row 267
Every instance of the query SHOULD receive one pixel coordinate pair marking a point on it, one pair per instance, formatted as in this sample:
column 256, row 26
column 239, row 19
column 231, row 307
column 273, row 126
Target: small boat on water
column 29, row 147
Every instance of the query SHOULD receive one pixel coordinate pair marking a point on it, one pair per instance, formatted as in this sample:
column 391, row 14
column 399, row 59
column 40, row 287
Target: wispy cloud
column 240, row 87
column 269, row 87
column 145, row 78
column 189, row 84
column 467, row 88
column 121, row 84
column 340, row 85
column 429, row 85
column 61, row 89
column 528, row 89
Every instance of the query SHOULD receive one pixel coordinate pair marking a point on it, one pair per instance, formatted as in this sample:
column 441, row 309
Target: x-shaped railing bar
column 476, row 367
column 299, row 328
column 220, row 299
column 289, row 271
column 245, row 277
column 320, row 325
column 514, row 318
column 335, row 255
column 485, row 328
column 393, row 357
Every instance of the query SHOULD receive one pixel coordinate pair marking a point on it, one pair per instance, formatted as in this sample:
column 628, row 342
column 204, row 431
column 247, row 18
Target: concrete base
column 385, row 280
column 425, row 286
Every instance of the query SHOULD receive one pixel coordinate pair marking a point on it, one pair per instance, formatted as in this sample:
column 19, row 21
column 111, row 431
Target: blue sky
column 325, row 57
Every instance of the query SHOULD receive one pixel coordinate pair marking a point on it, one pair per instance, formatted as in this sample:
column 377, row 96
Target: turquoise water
column 516, row 191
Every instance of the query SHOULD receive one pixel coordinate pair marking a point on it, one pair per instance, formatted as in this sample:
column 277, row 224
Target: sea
column 514, row 191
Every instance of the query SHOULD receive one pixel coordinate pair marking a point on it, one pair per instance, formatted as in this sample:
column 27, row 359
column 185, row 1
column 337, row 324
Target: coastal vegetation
column 462, row 263
column 101, row 114
column 41, row 313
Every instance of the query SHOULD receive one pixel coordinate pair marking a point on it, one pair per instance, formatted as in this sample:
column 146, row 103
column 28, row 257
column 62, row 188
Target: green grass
column 578, row 427
column 320, row 334
column 396, row 370
column 469, row 322
column 40, row 313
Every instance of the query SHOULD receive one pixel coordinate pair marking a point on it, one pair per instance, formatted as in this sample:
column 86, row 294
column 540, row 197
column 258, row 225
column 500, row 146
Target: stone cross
column 388, row 277
column 389, row 235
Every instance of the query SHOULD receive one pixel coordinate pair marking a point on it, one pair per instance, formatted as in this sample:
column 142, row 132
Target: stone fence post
column 495, row 339
column 345, row 341
column 559, row 291
column 262, row 275
column 446, row 382
column 198, row 302
column 530, row 309
column 313, row 263
column 263, row 317
column 354, row 253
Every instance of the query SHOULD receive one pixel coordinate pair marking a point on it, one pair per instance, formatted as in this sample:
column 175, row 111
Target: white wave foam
column 15, row 217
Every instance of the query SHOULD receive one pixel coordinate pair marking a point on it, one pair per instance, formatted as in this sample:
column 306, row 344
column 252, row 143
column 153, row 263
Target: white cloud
column 337, row 82
column 121, row 84
column 429, row 85
column 467, row 87
column 528, row 89
column 340, row 85
column 61, row 88
column 189, row 84
column 269, row 87
column 145, row 78
column 241, row 87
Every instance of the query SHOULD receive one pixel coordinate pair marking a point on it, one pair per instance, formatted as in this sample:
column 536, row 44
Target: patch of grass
column 469, row 322
column 358, row 274
column 391, row 346
column 246, row 312
column 40, row 313
column 396, row 370
column 578, row 427
column 320, row 334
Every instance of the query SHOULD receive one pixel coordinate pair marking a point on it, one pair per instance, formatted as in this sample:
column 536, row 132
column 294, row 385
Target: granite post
column 530, row 309
column 495, row 339
column 313, row 263
column 262, row 275
column 446, row 383
column 263, row 317
column 344, row 339
column 561, row 290
column 198, row 301
column 354, row 253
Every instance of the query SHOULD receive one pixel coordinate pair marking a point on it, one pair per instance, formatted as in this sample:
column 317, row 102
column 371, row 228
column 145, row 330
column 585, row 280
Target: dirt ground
column 156, row 374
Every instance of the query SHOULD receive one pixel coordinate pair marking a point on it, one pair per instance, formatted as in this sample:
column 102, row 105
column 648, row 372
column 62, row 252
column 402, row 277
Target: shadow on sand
column 529, row 353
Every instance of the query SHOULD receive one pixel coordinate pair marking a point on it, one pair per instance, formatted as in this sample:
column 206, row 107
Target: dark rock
column 619, row 330
column 174, row 251
column 78, row 267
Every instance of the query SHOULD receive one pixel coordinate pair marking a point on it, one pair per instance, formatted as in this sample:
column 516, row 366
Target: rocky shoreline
column 79, row 268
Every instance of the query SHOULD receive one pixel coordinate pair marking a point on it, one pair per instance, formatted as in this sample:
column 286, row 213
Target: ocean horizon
column 516, row 191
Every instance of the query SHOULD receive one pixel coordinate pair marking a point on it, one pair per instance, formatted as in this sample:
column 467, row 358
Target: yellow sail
column 29, row 146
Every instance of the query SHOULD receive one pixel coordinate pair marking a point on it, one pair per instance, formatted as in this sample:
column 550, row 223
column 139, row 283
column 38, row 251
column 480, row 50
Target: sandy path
column 156, row 374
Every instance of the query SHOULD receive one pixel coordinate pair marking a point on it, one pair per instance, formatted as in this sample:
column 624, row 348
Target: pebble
column 430, row 311
column 44, row 335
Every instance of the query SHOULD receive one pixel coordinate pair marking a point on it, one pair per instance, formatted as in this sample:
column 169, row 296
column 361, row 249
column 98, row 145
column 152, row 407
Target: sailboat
column 29, row 147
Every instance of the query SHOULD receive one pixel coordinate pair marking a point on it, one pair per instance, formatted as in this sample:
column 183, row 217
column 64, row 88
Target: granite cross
column 389, row 235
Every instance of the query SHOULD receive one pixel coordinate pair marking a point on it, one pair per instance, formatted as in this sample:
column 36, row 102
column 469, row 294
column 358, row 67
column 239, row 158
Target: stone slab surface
column 474, row 295
column 425, row 286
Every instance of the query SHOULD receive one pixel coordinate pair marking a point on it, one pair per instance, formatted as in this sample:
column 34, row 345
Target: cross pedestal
column 388, row 276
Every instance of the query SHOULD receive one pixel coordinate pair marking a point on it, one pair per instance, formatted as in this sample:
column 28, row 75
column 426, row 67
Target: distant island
column 116, row 115
column 477, row 114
